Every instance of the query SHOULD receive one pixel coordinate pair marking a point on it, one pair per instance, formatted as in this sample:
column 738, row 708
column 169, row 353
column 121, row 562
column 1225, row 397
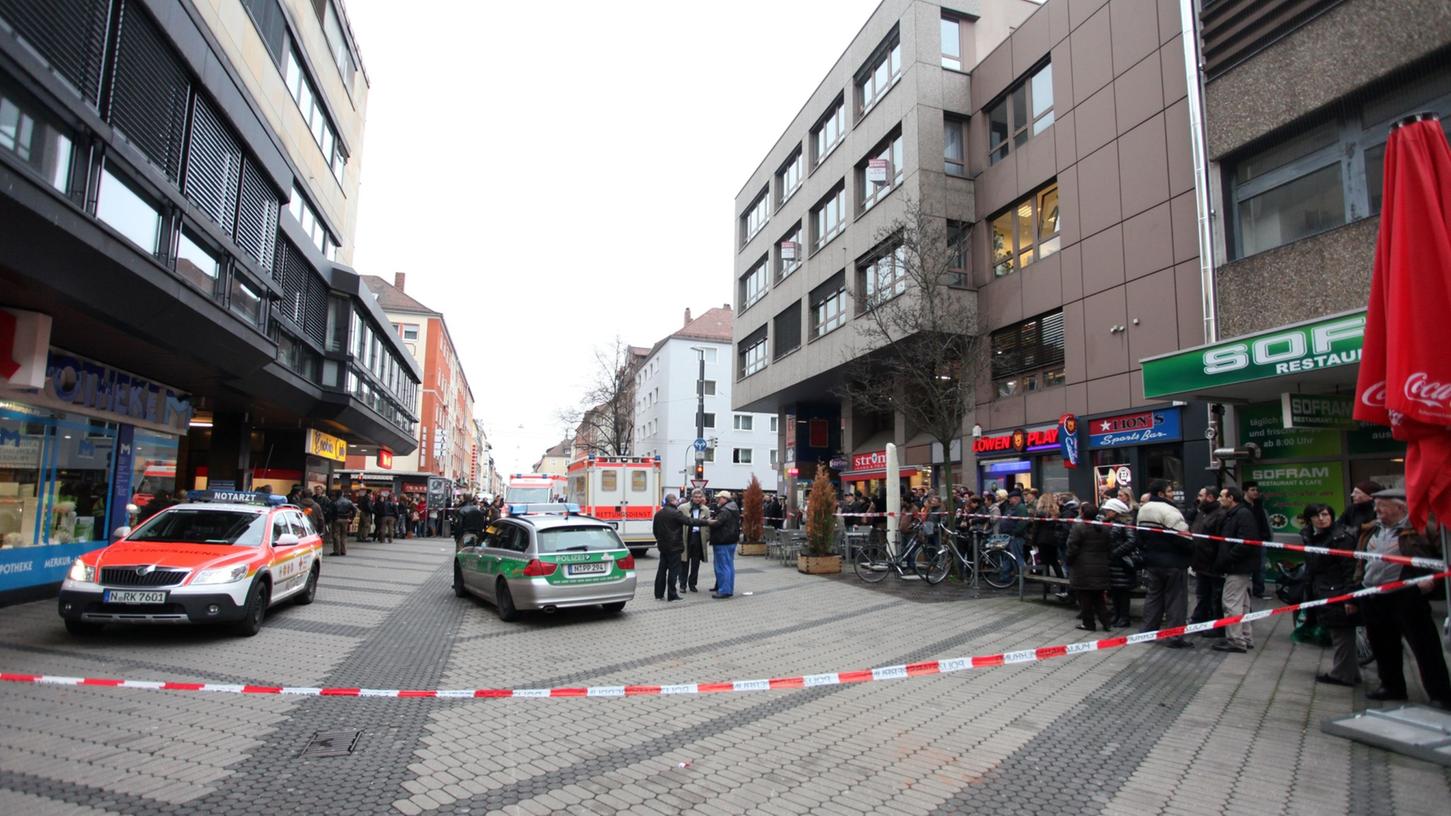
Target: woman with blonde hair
column 1043, row 532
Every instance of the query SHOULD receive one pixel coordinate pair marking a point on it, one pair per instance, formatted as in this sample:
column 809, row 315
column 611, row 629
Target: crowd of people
column 695, row 534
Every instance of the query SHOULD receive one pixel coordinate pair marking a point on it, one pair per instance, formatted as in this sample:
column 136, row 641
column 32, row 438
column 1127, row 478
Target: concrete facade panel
column 1171, row 62
column 1135, row 32
column 1062, row 77
column 1143, row 167
column 1181, row 159
column 1037, row 160
column 1313, row 66
column 1080, row 10
column 1060, row 23
column 1075, row 363
column 1300, row 271
column 1184, row 217
column 1148, row 243
column 1168, row 20
column 1092, row 56
column 993, row 75
column 1045, row 406
column 1007, row 412
column 1065, row 141
column 997, row 187
column 1095, row 122
column 1002, row 301
column 1110, row 393
column 1042, row 286
column 1069, row 229
column 1105, row 351
column 1071, row 261
column 1103, row 260
column 1098, row 197
column 1139, row 93
column 1031, row 43
column 1076, row 398
column 1187, row 304
column 1157, row 331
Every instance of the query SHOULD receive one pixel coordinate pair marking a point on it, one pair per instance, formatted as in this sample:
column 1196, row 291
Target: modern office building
column 739, row 445
column 1062, row 129
column 1299, row 100
column 445, row 406
column 178, row 187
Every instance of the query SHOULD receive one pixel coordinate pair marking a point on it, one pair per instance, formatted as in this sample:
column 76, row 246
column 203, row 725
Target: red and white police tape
column 899, row 672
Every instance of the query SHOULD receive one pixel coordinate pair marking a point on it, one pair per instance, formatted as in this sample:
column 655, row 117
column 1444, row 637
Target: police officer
column 471, row 520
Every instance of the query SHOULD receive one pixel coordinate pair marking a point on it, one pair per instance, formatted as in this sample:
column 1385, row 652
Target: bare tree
column 605, row 421
column 919, row 352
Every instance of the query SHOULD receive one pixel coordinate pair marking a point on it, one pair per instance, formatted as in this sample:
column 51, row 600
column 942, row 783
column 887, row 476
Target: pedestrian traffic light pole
column 700, row 412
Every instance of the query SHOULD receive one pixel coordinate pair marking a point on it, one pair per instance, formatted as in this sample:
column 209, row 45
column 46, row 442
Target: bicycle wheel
column 933, row 563
column 870, row 563
column 994, row 563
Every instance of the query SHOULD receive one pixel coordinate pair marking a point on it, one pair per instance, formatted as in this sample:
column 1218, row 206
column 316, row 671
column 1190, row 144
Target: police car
column 546, row 560
column 220, row 557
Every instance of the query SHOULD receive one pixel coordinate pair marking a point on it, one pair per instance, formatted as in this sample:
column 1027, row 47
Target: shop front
column 80, row 455
column 867, row 474
column 324, row 453
column 1131, row 449
column 1288, row 394
column 1021, row 458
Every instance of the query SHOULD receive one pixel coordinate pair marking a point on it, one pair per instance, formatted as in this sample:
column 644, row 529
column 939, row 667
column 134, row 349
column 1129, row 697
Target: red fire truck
column 622, row 490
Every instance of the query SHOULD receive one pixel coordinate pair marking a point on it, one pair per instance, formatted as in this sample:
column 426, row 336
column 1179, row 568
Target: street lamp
column 699, row 411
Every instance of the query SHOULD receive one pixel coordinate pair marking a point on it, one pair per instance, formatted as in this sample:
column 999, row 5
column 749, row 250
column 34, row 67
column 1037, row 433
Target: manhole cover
column 331, row 743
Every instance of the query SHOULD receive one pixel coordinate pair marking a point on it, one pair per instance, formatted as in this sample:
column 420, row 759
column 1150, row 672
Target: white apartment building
column 740, row 444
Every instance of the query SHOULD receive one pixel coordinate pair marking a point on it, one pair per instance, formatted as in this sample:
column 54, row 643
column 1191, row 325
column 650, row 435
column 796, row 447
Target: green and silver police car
column 546, row 560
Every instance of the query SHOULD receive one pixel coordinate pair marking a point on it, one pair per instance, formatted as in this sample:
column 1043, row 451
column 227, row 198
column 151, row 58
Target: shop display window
column 1054, row 475
column 153, row 467
column 54, row 478
column 1166, row 462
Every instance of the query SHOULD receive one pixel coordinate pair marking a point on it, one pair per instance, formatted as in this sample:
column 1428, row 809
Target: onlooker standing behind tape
column 1237, row 563
column 1166, row 563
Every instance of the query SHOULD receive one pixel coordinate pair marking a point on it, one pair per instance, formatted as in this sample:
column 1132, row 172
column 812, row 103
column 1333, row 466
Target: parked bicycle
column 872, row 562
column 994, row 562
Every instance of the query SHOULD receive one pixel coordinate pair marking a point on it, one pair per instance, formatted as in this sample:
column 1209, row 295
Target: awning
column 863, row 475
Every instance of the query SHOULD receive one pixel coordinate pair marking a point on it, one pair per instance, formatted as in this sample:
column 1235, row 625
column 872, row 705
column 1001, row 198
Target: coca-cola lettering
column 1374, row 396
column 1421, row 388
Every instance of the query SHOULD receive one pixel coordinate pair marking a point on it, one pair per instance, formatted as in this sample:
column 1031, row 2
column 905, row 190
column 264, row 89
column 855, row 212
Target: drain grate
column 331, row 743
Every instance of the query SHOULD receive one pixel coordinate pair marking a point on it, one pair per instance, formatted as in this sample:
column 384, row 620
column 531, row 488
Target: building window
column 706, row 388
column 1326, row 175
column 753, row 284
column 1026, row 231
column 1026, row 110
column 786, row 328
column 755, row 217
column 954, row 152
column 880, row 172
column 196, row 265
column 741, row 456
column 709, row 455
column 772, row 453
column 879, row 74
column 41, row 146
column 788, row 178
column 410, row 331
column 830, row 129
column 309, row 102
column 338, row 44
column 744, row 422
column 828, row 217
column 128, row 212
column 710, row 355
column 828, row 305
column 753, row 352
column 788, row 252
column 881, row 277
column 246, row 301
column 1028, row 356
column 303, row 211
column 958, row 244
column 952, row 50
column 708, row 420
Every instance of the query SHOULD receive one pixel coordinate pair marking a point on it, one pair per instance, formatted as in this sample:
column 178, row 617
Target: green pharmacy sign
column 1319, row 344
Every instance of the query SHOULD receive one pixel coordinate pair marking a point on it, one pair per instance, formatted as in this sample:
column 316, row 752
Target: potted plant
column 753, row 520
column 818, row 559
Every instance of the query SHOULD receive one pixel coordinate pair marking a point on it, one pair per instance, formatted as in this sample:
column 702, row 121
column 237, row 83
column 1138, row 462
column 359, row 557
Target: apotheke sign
column 1313, row 346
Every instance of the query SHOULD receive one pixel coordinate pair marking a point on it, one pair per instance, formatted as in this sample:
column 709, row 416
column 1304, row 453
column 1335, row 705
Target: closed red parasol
column 1405, row 368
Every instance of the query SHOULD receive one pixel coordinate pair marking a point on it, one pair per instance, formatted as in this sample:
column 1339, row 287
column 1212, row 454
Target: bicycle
column 872, row 562
column 988, row 563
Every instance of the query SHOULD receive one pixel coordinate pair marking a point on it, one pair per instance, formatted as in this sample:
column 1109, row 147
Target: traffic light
column 700, row 470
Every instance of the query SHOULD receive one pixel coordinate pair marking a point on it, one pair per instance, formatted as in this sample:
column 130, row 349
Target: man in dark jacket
column 471, row 520
column 1014, row 524
column 695, row 539
column 365, row 515
column 343, row 512
column 725, row 532
column 1166, row 563
column 1237, row 563
column 669, row 527
column 1208, row 585
column 1256, row 503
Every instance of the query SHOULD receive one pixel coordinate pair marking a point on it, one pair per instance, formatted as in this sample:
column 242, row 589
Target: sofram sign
column 1311, row 346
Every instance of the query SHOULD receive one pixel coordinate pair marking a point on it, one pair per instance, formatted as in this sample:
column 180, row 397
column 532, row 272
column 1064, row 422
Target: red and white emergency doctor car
column 221, row 557
column 622, row 490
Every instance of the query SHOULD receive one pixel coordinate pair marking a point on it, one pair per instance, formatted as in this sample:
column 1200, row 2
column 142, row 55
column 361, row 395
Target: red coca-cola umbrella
column 1405, row 367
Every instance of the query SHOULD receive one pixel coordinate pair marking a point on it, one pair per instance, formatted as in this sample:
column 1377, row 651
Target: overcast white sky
column 551, row 175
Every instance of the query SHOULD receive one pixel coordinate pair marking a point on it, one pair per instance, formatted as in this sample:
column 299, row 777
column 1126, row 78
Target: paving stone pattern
column 1137, row 730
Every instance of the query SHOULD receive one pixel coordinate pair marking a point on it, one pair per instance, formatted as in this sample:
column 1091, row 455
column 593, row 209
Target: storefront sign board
column 1288, row 488
column 75, row 383
column 326, row 445
column 1312, row 346
column 1040, row 439
column 1138, row 428
column 385, row 458
column 875, row 460
column 121, row 475
column 1324, row 411
column 1373, row 439
column 1263, row 425
column 34, row 566
column 24, row 348
column 1112, row 477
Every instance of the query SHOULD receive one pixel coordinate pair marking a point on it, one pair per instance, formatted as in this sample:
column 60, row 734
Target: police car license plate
column 132, row 596
column 597, row 568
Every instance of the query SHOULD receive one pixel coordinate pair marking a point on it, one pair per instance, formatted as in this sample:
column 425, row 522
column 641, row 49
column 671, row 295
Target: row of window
column 739, row 422
column 312, row 224
column 741, row 456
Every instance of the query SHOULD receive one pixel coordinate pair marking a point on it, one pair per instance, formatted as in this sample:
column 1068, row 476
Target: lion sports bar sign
column 1140, row 428
column 1321, row 344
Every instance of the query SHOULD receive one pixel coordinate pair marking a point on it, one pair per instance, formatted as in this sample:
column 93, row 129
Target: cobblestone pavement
column 1138, row 730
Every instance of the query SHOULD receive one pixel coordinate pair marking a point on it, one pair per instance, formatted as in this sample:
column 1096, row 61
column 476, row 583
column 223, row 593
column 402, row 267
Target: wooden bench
column 1054, row 581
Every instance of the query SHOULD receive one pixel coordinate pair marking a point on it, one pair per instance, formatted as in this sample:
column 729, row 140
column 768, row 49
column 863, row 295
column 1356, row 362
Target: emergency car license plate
column 132, row 596
column 597, row 568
